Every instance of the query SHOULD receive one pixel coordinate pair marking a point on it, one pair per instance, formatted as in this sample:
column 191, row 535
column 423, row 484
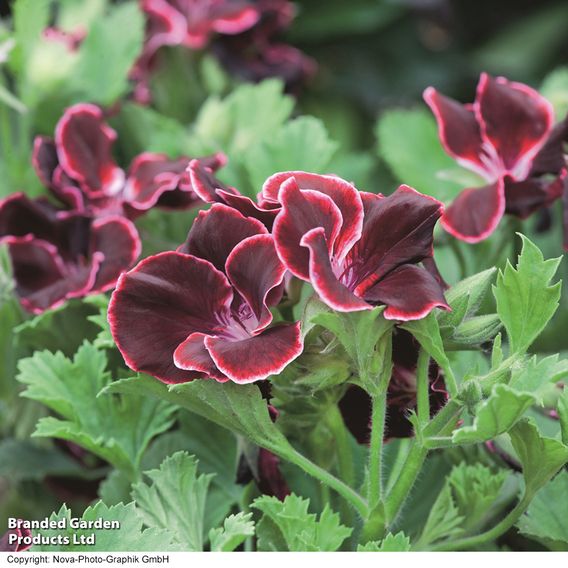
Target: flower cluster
column 242, row 34
column 83, row 245
column 204, row 310
column 508, row 137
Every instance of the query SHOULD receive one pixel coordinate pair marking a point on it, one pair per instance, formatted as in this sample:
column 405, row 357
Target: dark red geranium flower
column 192, row 22
column 355, row 406
column 358, row 250
column 78, row 167
column 9, row 542
column 257, row 54
column 204, row 310
column 57, row 255
column 507, row 137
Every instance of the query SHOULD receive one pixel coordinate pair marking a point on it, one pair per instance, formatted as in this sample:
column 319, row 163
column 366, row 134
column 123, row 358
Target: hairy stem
column 328, row 479
column 375, row 483
column 403, row 485
column 423, row 388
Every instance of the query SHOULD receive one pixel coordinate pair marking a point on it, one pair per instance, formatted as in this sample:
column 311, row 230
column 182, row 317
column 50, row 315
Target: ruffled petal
column 335, row 294
column 397, row 229
column 165, row 25
column 409, row 292
column 118, row 240
column 43, row 281
column 44, row 159
column 249, row 208
column 159, row 303
column 301, row 212
column 476, row 212
column 84, row 144
column 550, row 158
column 150, row 176
column 254, row 269
column 7, row 546
column 343, row 194
column 20, row 216
column 191, row 355
column 216, row 232
column 525, row 197
column 515, row 120
column 258, row 357
column 204, row 182
column 458, row 129
column 237, row 18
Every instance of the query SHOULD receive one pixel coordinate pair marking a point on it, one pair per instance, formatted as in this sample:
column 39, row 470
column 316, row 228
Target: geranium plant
column 229, row 325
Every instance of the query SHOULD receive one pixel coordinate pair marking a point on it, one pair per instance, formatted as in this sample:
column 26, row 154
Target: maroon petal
column 204, row 182
column 301, row 212
column 215, row 233
column 118, row 240
column 550, row 159
column 165, row 25
column 397, row 229
column 458, row 129
column 84, row 143
column 329, row 288
column 270, row 480
column 515, row 120
column 159, row 303
column 8, row 542
column 150, row 176
column 191, row 355
column 43, row 281
column 343, row 194
column 20, row 216
column 237, row 18
column 67, row 191
column 525, row 197
column 254, row 269
column 409, row 292
column 249, row 208
column 256, row 358
column 44, row 159
column 476, row 212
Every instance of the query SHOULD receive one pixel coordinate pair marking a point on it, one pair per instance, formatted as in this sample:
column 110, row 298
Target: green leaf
column 539, row 376
column 427, row 333
column 31, row 17
column 555, row 89
column 144, row 129
column 234, row 532
column 249, row 114
column 115, row 488
column 108, row 53
column 494, row 416
column 444, row 520
column 104, row 339
column 540, row 457
column 287, row 526
column 409, row 144
column 11, row 100
column 62, row 329
column 398, row 542
column 546, row 517
column 301, row 144
column 130, row 536
column 118, row 429
column 475, row 489
column 466, row 297
column 476, row 330
column 239, row 408
column 525, row 299
column 175, row 500
column 366, row 337
column 23, row 460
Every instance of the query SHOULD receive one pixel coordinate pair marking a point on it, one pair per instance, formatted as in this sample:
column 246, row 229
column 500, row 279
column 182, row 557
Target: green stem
column 423, row 388
column 403, row 485
column 375, row 481
column 328, row 479
column 342, row 445
column 499, row 529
